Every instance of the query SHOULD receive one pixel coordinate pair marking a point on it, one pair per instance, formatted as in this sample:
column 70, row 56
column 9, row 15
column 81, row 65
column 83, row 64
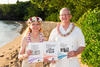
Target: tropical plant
column 90, row 24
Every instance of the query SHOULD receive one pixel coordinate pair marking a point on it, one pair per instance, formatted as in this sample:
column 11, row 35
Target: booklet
column 51, row 50
column 65, row 47
column 37, row 52
column 48, row 50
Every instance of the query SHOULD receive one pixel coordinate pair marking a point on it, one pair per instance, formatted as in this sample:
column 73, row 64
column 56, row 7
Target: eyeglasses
column 65, row 15
column 35, row 24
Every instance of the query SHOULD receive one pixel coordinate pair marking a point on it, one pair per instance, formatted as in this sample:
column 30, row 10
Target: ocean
column 8, row 31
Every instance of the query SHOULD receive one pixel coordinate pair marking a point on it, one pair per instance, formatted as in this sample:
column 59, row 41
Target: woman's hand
column 26, row 55
column 29, row 52
column 48, row 61
column 22, row 56
column 53, row 61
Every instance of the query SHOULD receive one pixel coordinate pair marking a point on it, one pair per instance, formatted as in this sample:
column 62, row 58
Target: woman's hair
column 30, row 20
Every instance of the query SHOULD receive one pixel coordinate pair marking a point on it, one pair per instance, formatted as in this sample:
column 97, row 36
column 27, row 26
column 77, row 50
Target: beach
column 9, row 52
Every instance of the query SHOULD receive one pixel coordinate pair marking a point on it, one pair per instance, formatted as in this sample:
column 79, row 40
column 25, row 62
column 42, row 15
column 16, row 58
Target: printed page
column 51, row 50
column 37, row 52
column 65, row 47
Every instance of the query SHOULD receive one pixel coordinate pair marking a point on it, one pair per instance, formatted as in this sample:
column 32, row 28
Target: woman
column 33, row 34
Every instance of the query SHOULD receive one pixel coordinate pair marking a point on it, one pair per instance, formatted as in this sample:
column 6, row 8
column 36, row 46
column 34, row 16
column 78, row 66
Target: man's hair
column 66, row 9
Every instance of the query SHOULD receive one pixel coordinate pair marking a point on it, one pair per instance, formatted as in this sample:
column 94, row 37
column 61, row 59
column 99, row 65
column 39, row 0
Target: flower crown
column 36, row 19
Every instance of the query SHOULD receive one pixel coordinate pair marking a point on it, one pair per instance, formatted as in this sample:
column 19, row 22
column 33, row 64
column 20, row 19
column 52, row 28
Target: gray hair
column 66, row 9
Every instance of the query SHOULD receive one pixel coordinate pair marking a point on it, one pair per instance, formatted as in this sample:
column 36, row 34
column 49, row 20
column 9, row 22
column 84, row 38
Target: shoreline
column 9, row 52
column 20, row 26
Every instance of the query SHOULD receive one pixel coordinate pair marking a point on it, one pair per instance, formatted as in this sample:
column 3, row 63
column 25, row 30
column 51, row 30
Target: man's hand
column 75, row 53
column 72, row 54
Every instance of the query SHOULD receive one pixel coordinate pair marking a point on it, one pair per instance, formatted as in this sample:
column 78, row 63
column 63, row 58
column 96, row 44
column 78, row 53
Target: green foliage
column 77, row 7
column 90, row 24
column 43, row 4
column 4, row 9
column 81, row 6
column 13, row 11
column 53, row 16
column 32, row 10
column 19, row 11
column 46, row 9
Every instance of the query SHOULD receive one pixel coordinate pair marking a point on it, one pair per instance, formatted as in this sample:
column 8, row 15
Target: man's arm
column 81, row 42
column 75, row 53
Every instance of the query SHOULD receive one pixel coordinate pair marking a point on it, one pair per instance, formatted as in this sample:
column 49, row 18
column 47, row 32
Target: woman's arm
column 22, row 54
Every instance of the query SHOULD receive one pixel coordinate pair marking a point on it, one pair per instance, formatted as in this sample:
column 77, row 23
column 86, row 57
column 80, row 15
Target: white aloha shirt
column 76, row 38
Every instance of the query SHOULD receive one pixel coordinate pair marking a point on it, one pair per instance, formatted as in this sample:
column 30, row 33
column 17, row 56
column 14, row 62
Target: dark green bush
column 46, row 9
column 32, row 10
column 90, row 25
column 53, row 16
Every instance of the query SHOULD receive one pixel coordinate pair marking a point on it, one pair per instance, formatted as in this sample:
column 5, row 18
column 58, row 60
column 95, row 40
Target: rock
column 7, row 58
column 1, row 55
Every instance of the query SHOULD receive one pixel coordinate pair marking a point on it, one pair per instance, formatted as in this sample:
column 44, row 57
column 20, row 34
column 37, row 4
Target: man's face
column 65, row 16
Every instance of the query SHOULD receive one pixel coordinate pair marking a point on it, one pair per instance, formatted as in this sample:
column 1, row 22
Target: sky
column 10, row 1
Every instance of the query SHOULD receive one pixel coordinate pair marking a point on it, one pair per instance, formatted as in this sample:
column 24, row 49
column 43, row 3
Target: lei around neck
column 64, row 35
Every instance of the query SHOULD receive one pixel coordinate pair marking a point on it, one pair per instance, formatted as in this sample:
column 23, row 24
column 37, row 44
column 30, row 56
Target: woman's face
column 35, row 26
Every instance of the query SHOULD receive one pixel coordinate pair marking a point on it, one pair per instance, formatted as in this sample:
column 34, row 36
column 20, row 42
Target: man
column 67, row 32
